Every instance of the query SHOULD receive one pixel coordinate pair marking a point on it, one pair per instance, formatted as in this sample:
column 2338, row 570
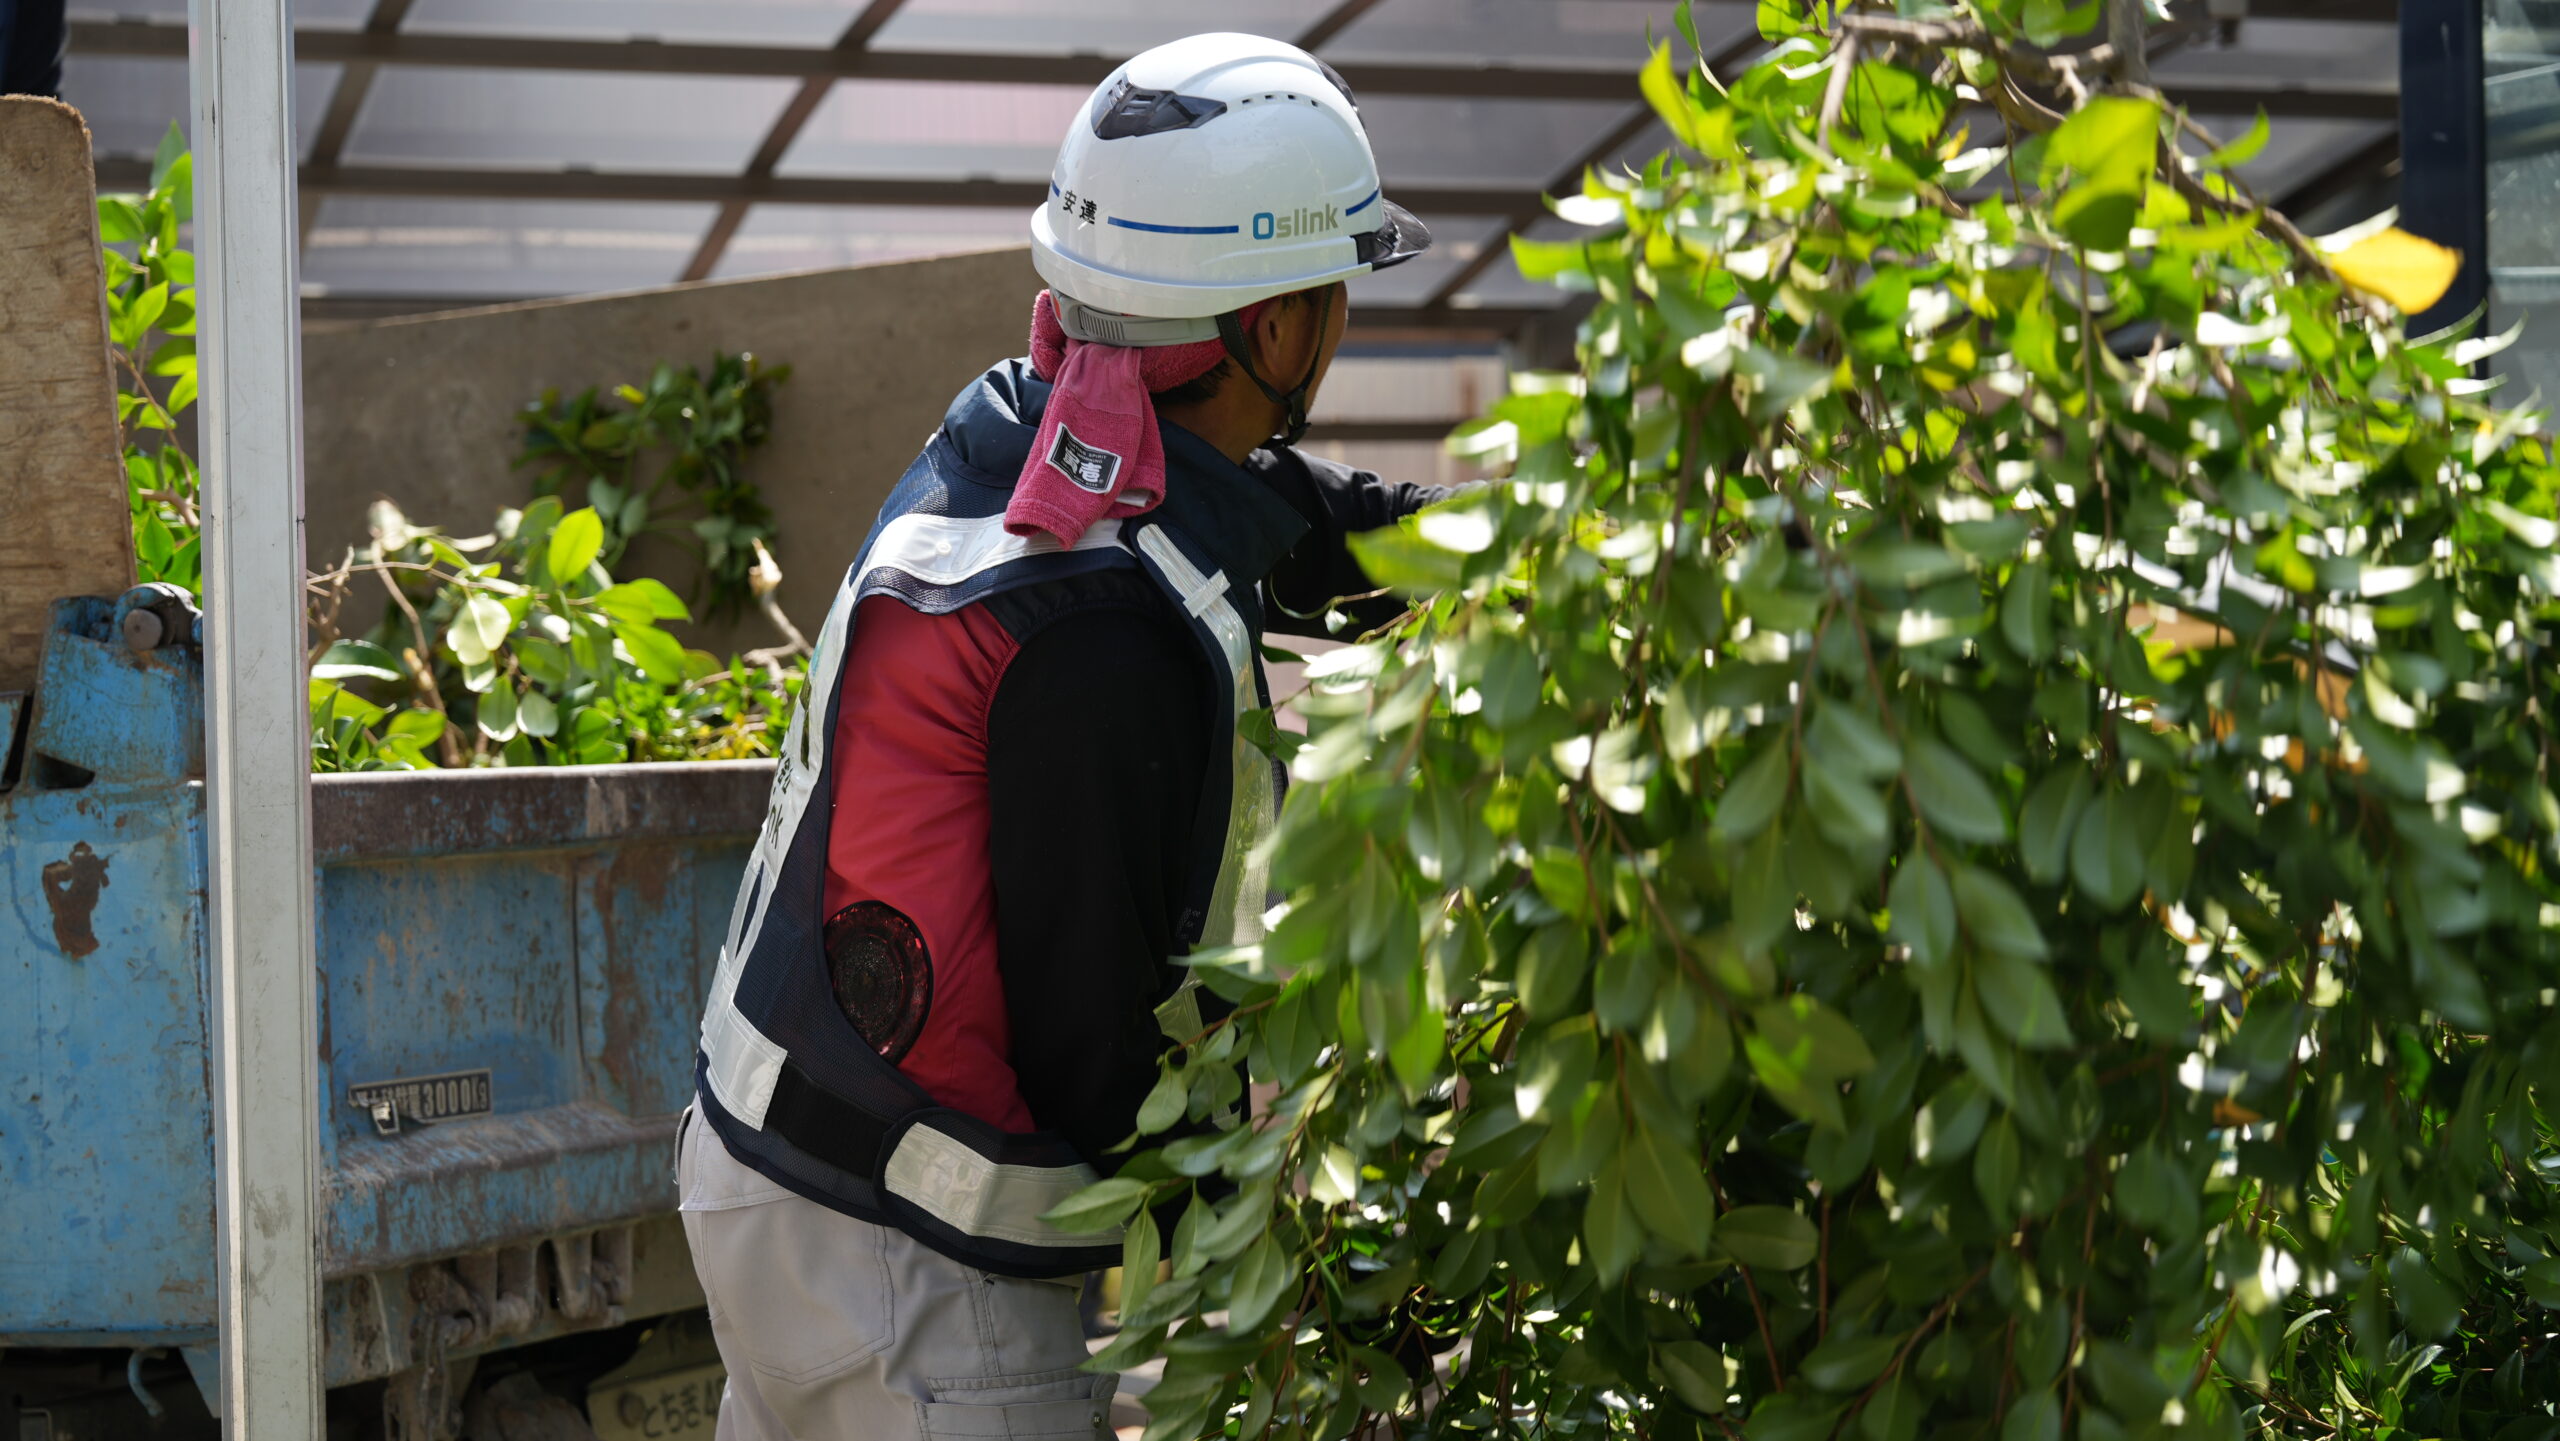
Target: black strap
column 826, row 1126
column 1294, row 403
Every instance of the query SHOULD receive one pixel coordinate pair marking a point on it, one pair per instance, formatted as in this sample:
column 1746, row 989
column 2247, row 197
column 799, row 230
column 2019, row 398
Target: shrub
column 1958, row 851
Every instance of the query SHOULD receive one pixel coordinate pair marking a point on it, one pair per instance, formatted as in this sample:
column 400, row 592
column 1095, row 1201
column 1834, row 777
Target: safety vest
column 783, row 1076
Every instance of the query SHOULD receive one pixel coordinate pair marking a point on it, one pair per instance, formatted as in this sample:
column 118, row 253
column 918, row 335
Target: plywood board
column 64, row 525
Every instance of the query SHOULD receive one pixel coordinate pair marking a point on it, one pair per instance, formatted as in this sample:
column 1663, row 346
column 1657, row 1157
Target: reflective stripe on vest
column 932, row 1169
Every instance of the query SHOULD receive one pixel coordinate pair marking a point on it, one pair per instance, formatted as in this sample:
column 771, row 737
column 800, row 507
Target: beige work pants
column 835, row 1329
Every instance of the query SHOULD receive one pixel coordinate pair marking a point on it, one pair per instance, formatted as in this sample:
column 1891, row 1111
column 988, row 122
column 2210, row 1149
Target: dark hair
column 1198, row 388
column 1206, row 385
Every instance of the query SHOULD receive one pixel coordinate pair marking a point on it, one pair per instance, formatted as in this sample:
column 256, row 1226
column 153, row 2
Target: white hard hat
column 1203, row 176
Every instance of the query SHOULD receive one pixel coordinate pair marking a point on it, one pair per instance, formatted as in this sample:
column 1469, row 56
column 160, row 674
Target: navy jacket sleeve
column 1319, row 571
column 1096, row 745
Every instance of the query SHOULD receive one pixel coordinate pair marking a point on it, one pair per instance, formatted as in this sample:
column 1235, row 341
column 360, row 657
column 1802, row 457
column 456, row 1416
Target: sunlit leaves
column 2107, row 149
column 1923, row 864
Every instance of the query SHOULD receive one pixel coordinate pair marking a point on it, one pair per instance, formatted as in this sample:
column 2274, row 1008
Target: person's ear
column 1274, row 336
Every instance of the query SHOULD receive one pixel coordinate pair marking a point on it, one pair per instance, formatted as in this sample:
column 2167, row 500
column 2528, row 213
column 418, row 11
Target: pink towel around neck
column 1097, row 453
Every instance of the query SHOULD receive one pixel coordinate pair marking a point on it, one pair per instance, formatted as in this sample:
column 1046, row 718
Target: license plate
column 678, row 1406
column 423, row 1100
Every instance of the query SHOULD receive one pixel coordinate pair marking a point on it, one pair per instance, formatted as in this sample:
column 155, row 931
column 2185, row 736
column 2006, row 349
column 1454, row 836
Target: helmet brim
column 1400, row 236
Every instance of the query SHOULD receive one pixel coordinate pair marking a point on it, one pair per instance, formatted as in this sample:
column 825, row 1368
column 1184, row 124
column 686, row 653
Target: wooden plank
column 64, row 525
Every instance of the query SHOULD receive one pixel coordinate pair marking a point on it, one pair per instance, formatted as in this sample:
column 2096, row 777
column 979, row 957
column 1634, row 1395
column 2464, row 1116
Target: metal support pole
column 257, row 731
column 2444, row 146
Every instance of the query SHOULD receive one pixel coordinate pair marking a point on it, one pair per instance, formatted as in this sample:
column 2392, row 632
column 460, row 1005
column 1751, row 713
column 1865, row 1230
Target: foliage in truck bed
column 516, row 647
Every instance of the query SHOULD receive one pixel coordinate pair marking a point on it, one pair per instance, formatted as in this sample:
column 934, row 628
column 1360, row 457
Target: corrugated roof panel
column 129, row 102
column 1466, row 142
column 518, row 118
column 814, row 23
column 495, row 249
column 777, row 238
column 913, row 127
column 1545, row 32
column 1101, row 27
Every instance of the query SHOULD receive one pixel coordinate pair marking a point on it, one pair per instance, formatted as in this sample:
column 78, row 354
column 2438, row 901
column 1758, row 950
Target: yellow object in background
column 2408, row 270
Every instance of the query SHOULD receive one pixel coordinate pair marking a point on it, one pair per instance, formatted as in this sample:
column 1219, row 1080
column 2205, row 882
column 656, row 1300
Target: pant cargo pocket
column 1049, row 1406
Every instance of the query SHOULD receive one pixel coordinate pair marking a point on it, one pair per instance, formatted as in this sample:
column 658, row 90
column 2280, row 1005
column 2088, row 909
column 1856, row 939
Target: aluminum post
column 257, row 720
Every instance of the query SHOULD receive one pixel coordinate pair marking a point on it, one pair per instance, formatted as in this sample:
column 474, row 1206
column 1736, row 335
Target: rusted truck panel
column 511, row 963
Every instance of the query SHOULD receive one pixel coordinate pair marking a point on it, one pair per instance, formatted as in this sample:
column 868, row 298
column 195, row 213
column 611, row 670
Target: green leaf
column 118, row 220
column 1905, row 564
column 1708, row 132
column 1848, row 1363
column 1667, row 1182
column 1695, row 1372
column 1995, row 1169
column 1849, row 811
column 2018, row 996
column 498, row 712
column 1953, row 798
column 1165, row 1103
column 2045, row 822
column 1815, row 1038
column 658, row 654
column 1609, row 1223
column 1844, row 736
column 1924, row 910
column 1768, row 1236
column 478, row 629
column 1400, row 559
column 641, row 601
column 537, row 715
column 2106, row 852
column 1893, row 1414
column 1510, row 681
column 2431, row 1307
column 172, row 148
column 2098, row 217
column 1752, row 797
column 1553, row 961
column 1994, row 916
column 2111, row 139
column 2035, row 1416
column 575, row 543
column 2026, row 611
column 2237, row 153
column 1098, row 1207
column 1265, row 1275
column 357, row 660
column 1952, row 1120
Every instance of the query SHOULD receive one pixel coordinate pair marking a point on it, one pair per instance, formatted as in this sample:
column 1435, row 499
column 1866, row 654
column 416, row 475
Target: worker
column 1017, row 787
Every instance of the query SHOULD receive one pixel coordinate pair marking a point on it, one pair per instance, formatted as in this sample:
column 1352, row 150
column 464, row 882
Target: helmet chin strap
column 1293, row 403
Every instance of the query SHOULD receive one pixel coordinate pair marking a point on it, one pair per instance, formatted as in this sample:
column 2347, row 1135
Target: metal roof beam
column 125, row 174
column 1722, row 64
column 777, row 141
column 637, row 57
column 346, row 101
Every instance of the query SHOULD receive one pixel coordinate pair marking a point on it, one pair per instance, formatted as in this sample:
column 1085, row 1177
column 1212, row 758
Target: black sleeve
column 1096, row 745
column 1319, row 571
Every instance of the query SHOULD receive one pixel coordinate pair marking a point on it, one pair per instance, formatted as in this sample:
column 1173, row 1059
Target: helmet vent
column 1126, row 110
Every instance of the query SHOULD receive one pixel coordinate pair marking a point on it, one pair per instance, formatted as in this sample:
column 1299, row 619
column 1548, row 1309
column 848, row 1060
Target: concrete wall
column 423, row 410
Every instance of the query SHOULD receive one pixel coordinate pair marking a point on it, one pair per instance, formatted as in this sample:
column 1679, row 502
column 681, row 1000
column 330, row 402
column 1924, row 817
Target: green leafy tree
column 1961, row 849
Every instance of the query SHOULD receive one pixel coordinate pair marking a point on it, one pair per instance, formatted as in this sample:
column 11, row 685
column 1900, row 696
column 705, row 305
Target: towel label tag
column 1090, row 467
